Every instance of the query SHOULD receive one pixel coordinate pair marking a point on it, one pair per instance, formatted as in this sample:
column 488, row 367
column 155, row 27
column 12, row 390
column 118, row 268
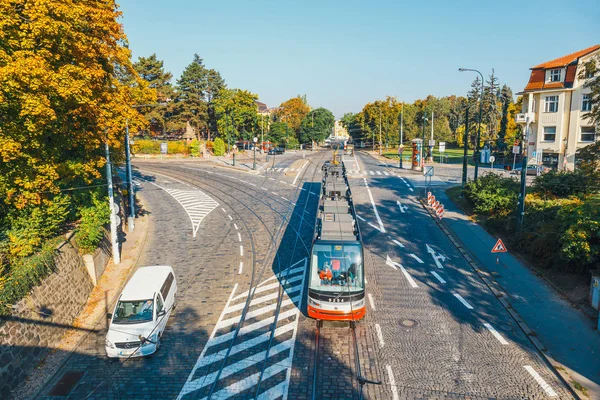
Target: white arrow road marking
column 547, row 388
column 396, row 265
column 496, row 334
column 361, row 218
column 401, row 207
column 381, row 228
column 463, row 301
column 436, row 257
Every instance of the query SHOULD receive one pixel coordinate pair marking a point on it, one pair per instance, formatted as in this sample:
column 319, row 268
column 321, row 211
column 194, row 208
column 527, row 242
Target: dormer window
column 555, row 75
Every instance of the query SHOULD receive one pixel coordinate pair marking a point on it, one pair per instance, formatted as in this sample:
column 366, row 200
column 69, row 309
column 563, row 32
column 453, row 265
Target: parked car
column 532, row 170
column 276, row 150
column 141, row 314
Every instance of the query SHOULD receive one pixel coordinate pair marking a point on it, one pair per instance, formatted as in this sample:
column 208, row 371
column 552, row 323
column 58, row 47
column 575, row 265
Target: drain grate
column 408, row 323
column 68, row 381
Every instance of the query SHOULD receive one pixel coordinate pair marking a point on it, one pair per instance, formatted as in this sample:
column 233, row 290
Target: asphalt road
column 239, row 243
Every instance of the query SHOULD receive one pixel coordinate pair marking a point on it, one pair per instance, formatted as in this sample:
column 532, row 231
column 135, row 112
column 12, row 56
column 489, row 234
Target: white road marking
column 392, row 382
column 379, row 335
column 241, row 267
column 436, row 257
column 390, row 263
column 371, row 301
column 263, row 188
column 398, row 243
column 361, row 218
column 271, row 179
column 416, row 258
column 356, row 162
column 439, row 278
column 276, row 194
column 250, row 183
column 378, row 172
column 411, row 189
column 303, row 189
column 386, row 173
column 285, row 183
column 286, row 169
column 230, row 217
column 298, row 174
column 366, row 281
column 463, row 301
column 547, row 388
column 409, row 278
column 401, row 207
column 279, row 169
column 239, row 237
column 496, row 334
column 284, row 198
column 375, row 226
column 241, row 250
column 235, row 226
column 381, row 228
column 371, row 173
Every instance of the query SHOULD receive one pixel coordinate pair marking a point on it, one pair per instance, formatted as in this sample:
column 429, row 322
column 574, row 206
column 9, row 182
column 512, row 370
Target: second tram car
column 336, row 288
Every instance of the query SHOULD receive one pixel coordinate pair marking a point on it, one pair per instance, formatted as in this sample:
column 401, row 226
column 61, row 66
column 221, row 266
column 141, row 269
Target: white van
column 141, row 313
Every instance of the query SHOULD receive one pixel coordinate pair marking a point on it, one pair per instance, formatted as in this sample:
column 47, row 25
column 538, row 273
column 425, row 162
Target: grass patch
column 451, row 156
column 455, row 194
column 579, row 387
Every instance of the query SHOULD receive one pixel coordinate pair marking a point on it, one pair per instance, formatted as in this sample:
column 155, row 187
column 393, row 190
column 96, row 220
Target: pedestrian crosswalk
column 196, row 204
column 282, row 169
column 355, row 172
column 259, row 353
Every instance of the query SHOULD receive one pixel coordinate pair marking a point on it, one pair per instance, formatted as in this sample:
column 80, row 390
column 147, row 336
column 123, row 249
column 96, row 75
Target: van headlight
column 108, row 344
column 151, row 340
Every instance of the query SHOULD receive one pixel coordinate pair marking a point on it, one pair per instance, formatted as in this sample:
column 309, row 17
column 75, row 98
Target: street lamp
column 254, row 140
column 423, row 143
column 379, row 130
column 479, row 122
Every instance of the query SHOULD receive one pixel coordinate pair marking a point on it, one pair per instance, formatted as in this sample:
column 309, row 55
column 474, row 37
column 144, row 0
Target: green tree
column 218, row 147
column 317, row 125
column 506, row 99
column 591, row 75
column 293, row 112
column 236, row 113
column 278, row 132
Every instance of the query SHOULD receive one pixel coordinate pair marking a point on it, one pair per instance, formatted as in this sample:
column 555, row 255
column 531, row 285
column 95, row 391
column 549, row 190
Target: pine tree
column 506, row 99
column 491, row 113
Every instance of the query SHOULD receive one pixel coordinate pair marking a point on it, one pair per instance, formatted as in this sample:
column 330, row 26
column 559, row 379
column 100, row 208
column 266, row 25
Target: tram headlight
column 359, row 303
column 313, row 302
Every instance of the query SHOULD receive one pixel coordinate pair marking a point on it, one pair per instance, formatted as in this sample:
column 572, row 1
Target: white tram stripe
column 392, row 382
column 379, row 335
column 463, row 301
column 260, row 289
column 271, row 296
column 255, row 313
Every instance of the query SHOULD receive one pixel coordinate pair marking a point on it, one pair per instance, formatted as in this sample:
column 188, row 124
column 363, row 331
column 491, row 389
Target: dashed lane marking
column 264, row 188
column 241, row 251
column 381, row 228
column 371, row 301
column 379, row 335
column 392, row 382
column 416, row 258
column 230, row 217
column 438, row 277
column 275, row 193
column 547, row 388
column 241, row 267
column 239, row 237
column 235, row 226
column 398, row 243
column 496, row 334
column 361, row 218
column 285, row 198
column 463, row 301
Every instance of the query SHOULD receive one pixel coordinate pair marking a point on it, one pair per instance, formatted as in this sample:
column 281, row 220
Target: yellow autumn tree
column 66, row 88
column 293, row 112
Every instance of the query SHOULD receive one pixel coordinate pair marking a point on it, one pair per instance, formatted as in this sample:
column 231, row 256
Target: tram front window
column 336, row 267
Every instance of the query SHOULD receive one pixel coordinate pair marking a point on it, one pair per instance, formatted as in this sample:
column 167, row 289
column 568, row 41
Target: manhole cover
column 408, row 323
column 66, row 383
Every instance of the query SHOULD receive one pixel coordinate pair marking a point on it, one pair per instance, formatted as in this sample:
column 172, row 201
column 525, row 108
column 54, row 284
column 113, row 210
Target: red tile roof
column 568, row 59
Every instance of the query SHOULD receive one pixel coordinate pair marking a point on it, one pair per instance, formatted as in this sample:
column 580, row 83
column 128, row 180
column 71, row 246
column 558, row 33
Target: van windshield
column 133, row 312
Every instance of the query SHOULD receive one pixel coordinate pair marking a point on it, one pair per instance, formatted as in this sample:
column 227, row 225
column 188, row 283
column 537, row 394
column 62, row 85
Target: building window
column 549, row 133
column 588, row 134
column 586, row 102
column 555, row 75
column 588, row 74
column 551, row 104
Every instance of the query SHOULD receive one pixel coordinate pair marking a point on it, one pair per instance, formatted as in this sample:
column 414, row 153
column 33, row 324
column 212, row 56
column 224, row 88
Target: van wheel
column 174, row 302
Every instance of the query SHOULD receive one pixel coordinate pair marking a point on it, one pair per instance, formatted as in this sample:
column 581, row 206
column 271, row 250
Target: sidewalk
column 92, row 318
column 570, row 337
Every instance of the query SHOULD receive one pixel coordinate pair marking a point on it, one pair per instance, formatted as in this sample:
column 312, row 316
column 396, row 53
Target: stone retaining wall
column 41, row 318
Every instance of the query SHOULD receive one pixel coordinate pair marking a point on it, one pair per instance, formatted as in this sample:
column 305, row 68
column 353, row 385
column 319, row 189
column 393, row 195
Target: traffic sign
column 442, row 147
column 499, row 247
column 516, row 149
column 492, row 159
column 428, row 171
column 432, row 143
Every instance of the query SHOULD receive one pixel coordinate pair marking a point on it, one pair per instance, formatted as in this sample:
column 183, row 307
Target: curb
column 502, row 297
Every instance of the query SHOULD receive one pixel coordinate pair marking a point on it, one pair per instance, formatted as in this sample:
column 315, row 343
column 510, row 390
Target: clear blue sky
column 345, row 53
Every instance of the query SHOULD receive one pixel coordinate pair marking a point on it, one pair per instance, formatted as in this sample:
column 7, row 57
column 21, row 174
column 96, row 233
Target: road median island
column 91, row 319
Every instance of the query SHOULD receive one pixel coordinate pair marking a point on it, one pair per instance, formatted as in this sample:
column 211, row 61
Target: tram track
column 283, row 274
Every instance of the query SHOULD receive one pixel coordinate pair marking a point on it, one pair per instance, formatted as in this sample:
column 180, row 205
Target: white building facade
column 554, row 103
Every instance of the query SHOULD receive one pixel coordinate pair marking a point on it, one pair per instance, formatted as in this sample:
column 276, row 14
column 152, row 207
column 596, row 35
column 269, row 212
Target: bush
column 24, row 274
column 93, row 218
column 580, row 242
column 30, row 227
column 194, row 148
column 563, row 183
column 146, row 146
column 219, row 147
column 177, row 147
column 493, row 195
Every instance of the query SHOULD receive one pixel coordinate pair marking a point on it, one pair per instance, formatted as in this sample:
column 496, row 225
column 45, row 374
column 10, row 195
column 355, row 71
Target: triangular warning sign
column 499, row 247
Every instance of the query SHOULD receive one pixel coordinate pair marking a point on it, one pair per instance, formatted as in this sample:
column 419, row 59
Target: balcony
column 521, row 118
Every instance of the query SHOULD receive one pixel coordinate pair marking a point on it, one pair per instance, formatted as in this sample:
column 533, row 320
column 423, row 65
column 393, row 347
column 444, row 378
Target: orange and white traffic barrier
column 429, row 198
column 440, row 211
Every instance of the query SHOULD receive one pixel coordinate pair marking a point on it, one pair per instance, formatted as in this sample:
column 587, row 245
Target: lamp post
column 465, row 150
column 254, row 165
column 478, row 123
column 379, row 130
column 401, row 147
column 422, row 161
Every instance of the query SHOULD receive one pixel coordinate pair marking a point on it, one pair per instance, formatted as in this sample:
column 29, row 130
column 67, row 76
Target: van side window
column 167, row 285
column 159, row 304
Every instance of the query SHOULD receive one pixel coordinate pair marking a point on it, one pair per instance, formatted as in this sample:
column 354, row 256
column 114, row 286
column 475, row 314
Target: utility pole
column 521, row 210
column 466, row 147
column 479, row 122
column 130, row 221
column 422, row 152
column 431, row 141
column 379, row 131
column 401, row 134
column 114, row 210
